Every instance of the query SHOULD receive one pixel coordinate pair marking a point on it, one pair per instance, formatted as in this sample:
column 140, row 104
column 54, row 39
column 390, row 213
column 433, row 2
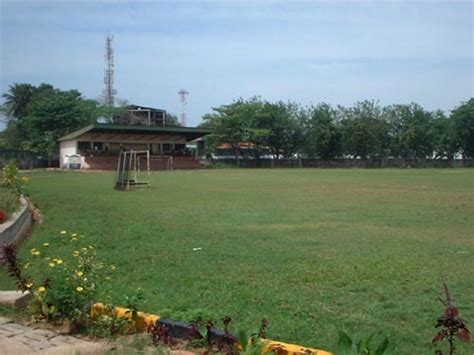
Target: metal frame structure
column 167, row 158
column 128, row 168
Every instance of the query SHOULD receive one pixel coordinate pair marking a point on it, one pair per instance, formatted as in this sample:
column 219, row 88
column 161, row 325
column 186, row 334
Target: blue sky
column 308, row 52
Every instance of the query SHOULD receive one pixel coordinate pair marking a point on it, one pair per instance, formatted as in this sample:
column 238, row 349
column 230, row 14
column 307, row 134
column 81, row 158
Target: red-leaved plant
column 9, row 259
column 452, row 326
column 3, row 216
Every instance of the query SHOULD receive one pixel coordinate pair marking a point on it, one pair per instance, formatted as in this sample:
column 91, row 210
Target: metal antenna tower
column 109, row 91
column 184, row 103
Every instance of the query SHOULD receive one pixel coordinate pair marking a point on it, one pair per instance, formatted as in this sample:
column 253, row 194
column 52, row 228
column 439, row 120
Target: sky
column 219, row 51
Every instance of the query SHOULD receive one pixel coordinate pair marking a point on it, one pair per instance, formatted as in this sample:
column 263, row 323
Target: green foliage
column 9, row 202
column 250, row 343
column 323, row 136
column 348, row 346
column 172, row 120
column 65, row 280
column 264, row 124
column 17, row 99
column 365, row 132
column 463, row 120
column 412, row 131
column 108, row 325
column 133, row 302
column 11, row 179
column 38, row 116
column 445, row 142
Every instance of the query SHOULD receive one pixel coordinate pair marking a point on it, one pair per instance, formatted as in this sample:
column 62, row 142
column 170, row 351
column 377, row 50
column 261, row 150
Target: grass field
column 314, row 251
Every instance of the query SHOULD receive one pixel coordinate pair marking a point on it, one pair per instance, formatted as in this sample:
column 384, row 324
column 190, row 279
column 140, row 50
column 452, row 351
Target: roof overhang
column 190, row 133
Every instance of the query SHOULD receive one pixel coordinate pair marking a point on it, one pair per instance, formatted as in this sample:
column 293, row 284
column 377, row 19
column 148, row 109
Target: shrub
column 9, row 202
column 65, row 286
column 108, row 325
column 348, row 346
column 12, row 179
column 451, row 324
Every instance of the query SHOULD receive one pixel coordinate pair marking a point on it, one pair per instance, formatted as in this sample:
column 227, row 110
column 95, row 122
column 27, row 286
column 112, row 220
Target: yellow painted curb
column 141, row 323
column 279, row 348
column 144, row 320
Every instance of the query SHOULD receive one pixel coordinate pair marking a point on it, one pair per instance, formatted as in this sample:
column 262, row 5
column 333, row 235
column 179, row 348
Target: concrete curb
column 144, row 320
column 16, row 299
column 16, row 229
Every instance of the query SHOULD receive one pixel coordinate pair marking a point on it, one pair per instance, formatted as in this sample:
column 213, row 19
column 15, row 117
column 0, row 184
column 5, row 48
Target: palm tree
column 17, row 99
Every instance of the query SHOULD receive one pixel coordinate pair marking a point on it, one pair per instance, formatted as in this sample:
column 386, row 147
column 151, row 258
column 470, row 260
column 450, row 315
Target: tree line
column 37, row 116
column 365, row 130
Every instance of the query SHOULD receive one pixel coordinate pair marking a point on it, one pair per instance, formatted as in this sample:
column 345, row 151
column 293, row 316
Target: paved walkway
column 19, row 339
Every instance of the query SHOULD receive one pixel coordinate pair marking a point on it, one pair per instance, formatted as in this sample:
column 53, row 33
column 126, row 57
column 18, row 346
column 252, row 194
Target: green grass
column 314, row 251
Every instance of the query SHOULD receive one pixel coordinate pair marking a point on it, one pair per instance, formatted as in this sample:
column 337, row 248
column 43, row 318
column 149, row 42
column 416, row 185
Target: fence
column 349, row 163
column 26, row 159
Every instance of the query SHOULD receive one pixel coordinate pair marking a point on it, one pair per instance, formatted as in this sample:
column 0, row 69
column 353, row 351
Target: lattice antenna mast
column 184, row 103
column 109, row 91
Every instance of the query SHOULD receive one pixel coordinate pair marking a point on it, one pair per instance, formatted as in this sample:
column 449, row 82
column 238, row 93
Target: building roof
column 138, row 107
column 189, row 132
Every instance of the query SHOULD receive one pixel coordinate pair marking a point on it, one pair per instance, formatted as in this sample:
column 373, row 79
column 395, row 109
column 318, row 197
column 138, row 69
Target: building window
column 167, row 148
column 83, row 146
column 98, row 146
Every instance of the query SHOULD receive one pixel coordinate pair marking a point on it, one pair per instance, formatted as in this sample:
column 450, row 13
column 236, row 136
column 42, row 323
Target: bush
column 11, row 179
column 9, row 203
column 64, row 286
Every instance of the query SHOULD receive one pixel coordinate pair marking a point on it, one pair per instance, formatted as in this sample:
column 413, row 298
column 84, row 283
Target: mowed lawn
column 314, row 251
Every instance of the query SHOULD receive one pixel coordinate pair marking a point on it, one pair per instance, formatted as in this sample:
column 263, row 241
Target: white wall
column 66, row 148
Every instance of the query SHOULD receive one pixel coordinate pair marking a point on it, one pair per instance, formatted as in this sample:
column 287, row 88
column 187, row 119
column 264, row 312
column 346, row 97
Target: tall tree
column 233, row 123
column 463, row 121
column 46, row 115
column 365, row 132
column 16, row 100
column 322, row 134
column 412, row 134
column 443, row 135
column 280, row 128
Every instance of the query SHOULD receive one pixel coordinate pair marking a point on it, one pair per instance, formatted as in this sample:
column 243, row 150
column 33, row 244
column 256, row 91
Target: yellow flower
column 85, row 249
column 45, row 244
column 25, row 179
column 91, row 247
column 112, row 267
column 79, row 289
column 74, row 235
column 59, row 261
column 76, row 253
column 79, row 273
column 73, row 239
column 107, row 278
column 26, row 266
column 28, row 285
column 35, row 252
column 41, row 289
column 63, row 232
column 51, row 264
